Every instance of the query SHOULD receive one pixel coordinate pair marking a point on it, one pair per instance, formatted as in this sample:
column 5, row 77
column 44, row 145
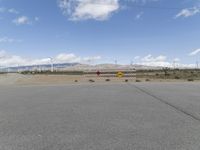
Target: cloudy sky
column 152, row 32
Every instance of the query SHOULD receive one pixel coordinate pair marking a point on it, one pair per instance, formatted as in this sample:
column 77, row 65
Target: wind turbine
column 6, row 68
column 52, row 65
column 197, row 64
column 116, row 62
column 0, row 65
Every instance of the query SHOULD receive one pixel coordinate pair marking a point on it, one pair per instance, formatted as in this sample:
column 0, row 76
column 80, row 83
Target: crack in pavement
column 177, row 108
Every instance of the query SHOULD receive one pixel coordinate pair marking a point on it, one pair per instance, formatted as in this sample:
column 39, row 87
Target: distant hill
column 38, row 67
column 77, row 67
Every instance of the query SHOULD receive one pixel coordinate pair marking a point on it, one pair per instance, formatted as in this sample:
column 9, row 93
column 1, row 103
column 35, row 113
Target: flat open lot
column 132, row 116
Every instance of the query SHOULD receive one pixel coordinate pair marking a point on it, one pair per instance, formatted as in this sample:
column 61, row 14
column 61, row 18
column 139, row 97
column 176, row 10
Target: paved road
column 153, row 116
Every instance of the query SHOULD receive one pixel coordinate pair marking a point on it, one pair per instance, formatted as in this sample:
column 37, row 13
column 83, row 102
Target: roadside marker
column 120, row 74
column 98, row 73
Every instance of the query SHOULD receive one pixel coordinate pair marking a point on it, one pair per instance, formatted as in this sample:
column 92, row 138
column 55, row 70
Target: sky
column 149, row 32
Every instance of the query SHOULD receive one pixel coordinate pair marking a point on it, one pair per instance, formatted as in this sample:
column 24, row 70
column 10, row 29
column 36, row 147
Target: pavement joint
column 179, row 109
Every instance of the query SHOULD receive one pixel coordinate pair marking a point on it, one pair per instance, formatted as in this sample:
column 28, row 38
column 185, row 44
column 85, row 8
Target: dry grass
column 169, row 74
column 91, row 80
column 137, row 80
column 147, row 80
column 126, row 80
column 141, row 76
column 190, row 80
column 107, row 80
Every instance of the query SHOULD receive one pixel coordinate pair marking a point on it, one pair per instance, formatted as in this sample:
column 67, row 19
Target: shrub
column 126, row 80
column 75, row 80
column 176, row 77
column 190, row 80
column 147, row 80
column 107, row 80
column 91, row 80
column 167, row 74
column 137, row 80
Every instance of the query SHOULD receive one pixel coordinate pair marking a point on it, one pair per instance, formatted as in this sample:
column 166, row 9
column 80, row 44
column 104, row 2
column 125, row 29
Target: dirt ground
column 69, row 79
column 18, row 79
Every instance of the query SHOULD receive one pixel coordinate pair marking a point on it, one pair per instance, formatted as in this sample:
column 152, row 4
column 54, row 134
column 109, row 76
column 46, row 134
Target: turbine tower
column 52, row 65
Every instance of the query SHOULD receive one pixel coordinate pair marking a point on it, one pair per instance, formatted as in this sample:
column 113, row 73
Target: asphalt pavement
column 132, row 116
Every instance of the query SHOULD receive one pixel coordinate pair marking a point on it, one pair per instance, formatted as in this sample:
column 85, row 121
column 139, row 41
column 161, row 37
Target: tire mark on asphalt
column 179, row 109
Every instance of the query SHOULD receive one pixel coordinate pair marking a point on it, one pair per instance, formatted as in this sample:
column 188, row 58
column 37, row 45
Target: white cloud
column 13, row 60
column 188, row 12
column 150, row 58
column 2, row 53
column 139, row 15
column 73, row 58
column 137, row 57
column 36, row 18
column 12, row 10
column 95, row 9
column 162, row 61
column 142, row 1
column 195, row 52
column 67, row 57
column 91, row 59
column 22, row 20
column 10, row 60
column 8, row 40
column 177, row 60
column 88, row 9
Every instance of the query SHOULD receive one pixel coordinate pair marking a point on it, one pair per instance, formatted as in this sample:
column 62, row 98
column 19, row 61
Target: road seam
column 179, row 109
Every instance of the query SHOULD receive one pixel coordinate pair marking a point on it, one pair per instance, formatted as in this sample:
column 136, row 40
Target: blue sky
column 144, row 31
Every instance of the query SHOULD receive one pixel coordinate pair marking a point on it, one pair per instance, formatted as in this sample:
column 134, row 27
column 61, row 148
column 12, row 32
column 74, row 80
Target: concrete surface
column 142, row 116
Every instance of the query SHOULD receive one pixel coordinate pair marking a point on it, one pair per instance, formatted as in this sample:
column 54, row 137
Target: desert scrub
column 137, row 80
column 91, row 80
column 190, row 80
column 177, row 77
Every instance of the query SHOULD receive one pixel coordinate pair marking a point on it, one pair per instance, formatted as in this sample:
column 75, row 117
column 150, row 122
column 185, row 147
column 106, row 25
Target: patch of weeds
column 91, row 80
column 177, row 77
column 137, row 80
column 190, row 80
